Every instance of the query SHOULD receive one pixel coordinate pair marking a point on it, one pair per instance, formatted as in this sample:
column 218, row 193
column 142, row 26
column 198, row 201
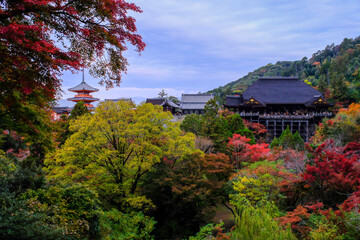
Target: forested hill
column 334, row 71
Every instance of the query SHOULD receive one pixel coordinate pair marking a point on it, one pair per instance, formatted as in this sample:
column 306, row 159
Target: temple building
column 278, row 102
column 57, row 112
column 83, row 91
column 167, row 105
column 194, row 103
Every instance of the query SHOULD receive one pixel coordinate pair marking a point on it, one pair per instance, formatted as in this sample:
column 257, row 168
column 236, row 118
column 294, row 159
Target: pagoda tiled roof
column 281, row 90
column 83, row 98
column 83, row 86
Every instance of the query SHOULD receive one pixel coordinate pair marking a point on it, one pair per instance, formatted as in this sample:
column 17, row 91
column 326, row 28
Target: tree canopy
column 111, row 150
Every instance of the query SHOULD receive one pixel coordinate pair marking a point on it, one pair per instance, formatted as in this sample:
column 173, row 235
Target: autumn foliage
column 334, row 171
column 242, row 151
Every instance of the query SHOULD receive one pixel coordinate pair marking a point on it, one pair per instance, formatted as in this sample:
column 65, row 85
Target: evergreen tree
column 322, row 83
column 288, row 140
column 78, row 110
column 338, row 86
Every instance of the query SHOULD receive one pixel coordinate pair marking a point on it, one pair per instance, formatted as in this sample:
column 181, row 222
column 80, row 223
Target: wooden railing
column 279, row 115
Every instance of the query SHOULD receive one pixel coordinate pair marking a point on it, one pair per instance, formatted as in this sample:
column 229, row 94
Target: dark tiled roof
column 257, row 102
column 61, row 110
column 83, row 98
column 281, row 90
column 233, row 100
column 170, row 103
column 315, row 99
column 83, row 86
column 155, row 101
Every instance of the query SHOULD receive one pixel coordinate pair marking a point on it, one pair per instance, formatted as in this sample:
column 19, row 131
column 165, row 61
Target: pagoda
column 83, row 91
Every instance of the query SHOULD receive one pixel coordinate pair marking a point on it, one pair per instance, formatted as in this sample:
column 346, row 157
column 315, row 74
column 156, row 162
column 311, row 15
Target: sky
column 198, row 45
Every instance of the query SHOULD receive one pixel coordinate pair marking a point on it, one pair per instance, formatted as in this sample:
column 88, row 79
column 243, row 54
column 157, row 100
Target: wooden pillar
column 291, row 126
column 282, row 125
column 275, row 132
column 307, row 130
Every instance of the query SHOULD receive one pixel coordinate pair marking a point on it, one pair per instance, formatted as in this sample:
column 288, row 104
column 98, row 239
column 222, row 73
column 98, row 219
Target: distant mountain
column 335, row 70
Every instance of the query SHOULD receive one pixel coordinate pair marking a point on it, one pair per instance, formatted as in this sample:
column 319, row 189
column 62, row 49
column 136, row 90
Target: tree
column 186, row 191
column 39, row 39
column 256, row 221
column 338, row 86
column 111, row 150
column 73, row 207
column 287, row 140
column 243, row 151
column 192, row 123
column 18, row 219
column 162, row 94
column 78, row 110
column 127, row 226
column 211, row 108
column 343, row 128
column 63, row 125
column 333, row 172
column 322, row 84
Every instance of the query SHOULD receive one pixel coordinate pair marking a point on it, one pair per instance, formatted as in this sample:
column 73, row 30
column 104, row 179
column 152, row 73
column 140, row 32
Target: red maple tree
column 334, row 172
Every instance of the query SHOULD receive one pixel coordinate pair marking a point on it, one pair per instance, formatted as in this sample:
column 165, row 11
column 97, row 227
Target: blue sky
column 197, row 45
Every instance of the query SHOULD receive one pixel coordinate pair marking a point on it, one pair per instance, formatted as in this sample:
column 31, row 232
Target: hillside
column 333, row 71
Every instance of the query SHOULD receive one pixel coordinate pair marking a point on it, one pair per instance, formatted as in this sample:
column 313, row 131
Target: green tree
column 192, row 123
column 18, row 220
column 288, row 140
column 322, row 85
column 126, row 226
column 78, row 110
column 173, row 99
column 74, row 207
column 257, row 221
column 63, row 125
column 338, row 86
column 235, row 123
column 211, row 108
column 111, row 150
column 185, row 192
column 162, row 94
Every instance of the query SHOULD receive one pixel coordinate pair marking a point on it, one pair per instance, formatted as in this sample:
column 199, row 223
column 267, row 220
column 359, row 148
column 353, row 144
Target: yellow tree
column 111, row 150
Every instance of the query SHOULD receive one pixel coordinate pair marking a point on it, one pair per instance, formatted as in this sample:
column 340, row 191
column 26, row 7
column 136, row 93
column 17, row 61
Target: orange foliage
column 296, row 219
column 353, row 110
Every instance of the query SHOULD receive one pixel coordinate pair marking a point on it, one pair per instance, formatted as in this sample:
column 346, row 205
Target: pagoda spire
column 83, row 76
column 83, row 91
